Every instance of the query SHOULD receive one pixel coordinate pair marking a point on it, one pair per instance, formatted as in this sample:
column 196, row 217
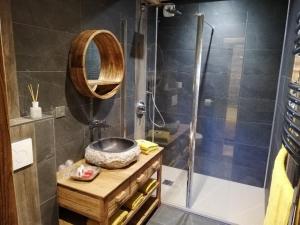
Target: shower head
column 170, row 10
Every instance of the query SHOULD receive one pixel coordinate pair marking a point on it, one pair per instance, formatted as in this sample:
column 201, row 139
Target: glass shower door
column 172, row 101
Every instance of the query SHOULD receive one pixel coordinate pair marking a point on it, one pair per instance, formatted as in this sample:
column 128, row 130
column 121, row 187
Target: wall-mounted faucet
column 97, row 125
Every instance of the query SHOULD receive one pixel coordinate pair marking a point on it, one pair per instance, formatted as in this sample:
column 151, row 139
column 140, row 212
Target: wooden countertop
column 107, row 180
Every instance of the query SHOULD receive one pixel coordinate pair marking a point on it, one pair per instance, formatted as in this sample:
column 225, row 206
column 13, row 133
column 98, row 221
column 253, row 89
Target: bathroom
column 208, row 81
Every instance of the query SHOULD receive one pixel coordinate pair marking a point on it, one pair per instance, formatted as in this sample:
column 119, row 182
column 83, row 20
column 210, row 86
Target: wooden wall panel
column 25, row 181
column 8, row 213
column 9, row 59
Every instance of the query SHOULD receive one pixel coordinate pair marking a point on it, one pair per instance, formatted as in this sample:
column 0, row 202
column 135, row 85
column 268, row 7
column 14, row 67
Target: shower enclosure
column 214, row 120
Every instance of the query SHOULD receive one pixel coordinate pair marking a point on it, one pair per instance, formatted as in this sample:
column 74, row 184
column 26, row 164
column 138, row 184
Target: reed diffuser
column 35, row 110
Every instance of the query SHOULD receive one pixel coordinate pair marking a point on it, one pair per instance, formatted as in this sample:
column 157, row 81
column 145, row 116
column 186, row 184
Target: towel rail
column 291, row 131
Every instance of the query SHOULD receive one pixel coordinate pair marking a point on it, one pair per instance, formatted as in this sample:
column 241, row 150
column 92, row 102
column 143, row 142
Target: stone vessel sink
column 112, row 153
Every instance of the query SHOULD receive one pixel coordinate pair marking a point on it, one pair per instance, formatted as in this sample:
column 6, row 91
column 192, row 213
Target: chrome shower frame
column 193, row 123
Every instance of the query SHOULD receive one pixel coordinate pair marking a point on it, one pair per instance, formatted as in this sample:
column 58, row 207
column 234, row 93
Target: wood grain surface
column 11, row 82
column 112, row 64
column 8, row 212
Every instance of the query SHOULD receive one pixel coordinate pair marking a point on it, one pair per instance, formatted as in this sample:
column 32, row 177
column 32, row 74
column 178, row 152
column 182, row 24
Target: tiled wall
column 240, row 80
column 43, row 32
column 284, row 79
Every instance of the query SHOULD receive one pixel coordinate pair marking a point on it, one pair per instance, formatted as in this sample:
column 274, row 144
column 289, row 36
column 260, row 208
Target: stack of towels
column 119, row 217
column 147, row 146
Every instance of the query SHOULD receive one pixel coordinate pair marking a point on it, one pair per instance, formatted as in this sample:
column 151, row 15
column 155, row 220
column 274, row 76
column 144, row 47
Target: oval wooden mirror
column 97, row 63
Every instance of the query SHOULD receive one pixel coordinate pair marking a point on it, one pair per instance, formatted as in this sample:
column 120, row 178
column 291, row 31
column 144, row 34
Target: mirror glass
column 92, row 62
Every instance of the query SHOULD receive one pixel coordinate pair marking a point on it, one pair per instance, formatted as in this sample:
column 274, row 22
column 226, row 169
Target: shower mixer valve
column 140, row 109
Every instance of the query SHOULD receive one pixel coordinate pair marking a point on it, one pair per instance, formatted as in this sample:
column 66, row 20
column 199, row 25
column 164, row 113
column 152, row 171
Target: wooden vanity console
column 99, row 199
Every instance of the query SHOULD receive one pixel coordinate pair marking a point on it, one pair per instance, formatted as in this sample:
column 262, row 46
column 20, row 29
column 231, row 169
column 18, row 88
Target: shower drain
column 168, row 182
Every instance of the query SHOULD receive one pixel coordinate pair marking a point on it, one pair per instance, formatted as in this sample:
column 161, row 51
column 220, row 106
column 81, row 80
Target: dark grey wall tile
column 246, row 175
column 275, row 10
column 49, row 212
column 217, row 108
column 258, row 86
column 51, row 14
column 73, row 150
column 176, row 60
column 108, row 110
column 175, row 37
column 216, row 85
column 250, row 156
column 219, row 61
column 51, row 93
column 211, row 128
column 68, row 129
column 256, row 110
column 262, row 62
column 44, row 143
column 265, row 35
column 255, row 134
column 56, row 89
column 39, row 49
column 220, row 168
column 47, row 179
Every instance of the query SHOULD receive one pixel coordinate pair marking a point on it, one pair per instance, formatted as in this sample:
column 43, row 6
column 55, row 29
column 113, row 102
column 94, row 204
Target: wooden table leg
column 159, row 178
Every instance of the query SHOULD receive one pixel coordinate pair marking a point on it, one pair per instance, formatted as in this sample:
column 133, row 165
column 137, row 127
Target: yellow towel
column 161, row 135
column 135, row 201
column 148, row 151
column 149, row 186
column 281, row 193
column 147, row 146
column 119, row 217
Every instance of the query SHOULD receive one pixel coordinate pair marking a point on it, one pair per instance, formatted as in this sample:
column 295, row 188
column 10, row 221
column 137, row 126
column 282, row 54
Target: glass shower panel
column 171, row 77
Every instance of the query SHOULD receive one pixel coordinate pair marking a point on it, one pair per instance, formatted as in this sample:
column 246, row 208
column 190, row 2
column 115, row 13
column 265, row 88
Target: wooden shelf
column 145, row 211
column 102, row 82
column 132, row 213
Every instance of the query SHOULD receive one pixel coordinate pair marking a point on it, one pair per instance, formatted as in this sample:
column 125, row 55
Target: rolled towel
column 149, row 186
column 160, row 135
column 147, row 146
column 119, row 217
column 134, row 201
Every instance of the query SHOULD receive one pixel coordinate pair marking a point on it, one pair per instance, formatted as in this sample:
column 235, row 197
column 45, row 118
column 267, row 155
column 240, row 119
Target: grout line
column 45, row 28
column 41, row 71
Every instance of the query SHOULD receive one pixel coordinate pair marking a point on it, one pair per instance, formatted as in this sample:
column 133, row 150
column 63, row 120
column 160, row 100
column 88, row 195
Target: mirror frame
column 112, row 64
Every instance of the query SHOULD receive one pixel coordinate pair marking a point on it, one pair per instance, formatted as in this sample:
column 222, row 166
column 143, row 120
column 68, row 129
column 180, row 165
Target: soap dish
column 88, row 172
